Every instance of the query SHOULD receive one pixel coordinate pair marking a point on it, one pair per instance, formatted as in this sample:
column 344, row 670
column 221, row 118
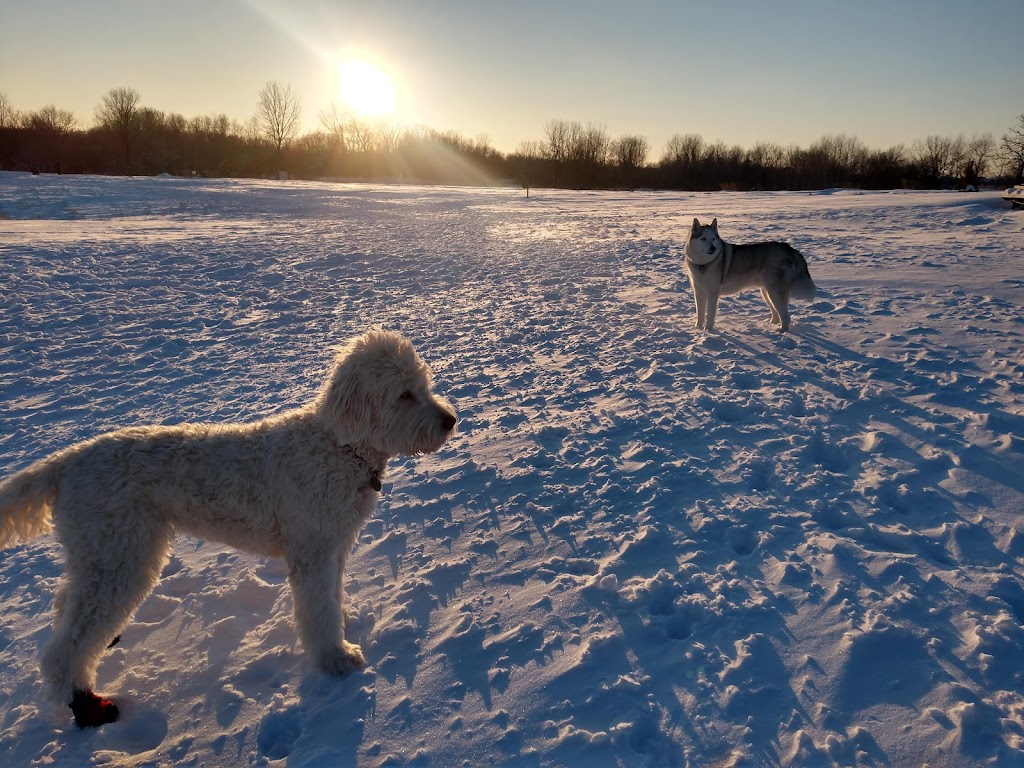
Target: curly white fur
column 298, row 485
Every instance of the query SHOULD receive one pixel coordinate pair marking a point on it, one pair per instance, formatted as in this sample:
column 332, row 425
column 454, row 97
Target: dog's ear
column 696, row 227
column 345, row 403
column 714, row 224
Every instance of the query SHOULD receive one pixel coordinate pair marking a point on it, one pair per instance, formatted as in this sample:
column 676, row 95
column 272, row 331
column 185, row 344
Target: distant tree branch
column 278, row 113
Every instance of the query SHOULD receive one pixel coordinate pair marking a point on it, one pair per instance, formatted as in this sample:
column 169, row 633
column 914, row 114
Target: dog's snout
column 448, row 421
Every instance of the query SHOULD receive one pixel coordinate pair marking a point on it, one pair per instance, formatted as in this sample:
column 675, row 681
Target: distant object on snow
column 1015, row 195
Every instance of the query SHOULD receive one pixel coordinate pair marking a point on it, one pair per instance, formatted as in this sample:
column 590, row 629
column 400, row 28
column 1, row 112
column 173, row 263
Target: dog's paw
column 91, row 711
column 343, row 660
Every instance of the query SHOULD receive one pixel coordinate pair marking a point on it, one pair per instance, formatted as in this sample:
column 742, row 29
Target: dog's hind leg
column 775, row 315
column 778, row 300
column 102, row 590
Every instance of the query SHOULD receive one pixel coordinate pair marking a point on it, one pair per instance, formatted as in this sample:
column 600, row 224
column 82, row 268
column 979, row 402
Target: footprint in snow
column 278, row 731
column 139, row 729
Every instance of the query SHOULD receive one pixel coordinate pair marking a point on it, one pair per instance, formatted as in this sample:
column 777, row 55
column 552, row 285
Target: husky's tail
column 26, row 499
column 803, row 286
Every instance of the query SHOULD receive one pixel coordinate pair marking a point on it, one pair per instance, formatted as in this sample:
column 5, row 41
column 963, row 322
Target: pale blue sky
column 787, row 71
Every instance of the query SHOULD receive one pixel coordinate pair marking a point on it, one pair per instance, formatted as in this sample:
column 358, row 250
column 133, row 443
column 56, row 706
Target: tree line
column 127, row 137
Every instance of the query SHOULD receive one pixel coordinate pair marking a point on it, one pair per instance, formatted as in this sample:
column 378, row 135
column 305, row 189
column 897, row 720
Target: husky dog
column 718, row 267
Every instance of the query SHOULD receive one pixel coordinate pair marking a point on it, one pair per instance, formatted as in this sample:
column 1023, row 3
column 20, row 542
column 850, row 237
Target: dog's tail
column 803, row 286
column 26, row 499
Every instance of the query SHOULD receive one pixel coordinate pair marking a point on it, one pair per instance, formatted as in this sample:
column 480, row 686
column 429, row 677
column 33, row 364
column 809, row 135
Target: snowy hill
column 648, row 545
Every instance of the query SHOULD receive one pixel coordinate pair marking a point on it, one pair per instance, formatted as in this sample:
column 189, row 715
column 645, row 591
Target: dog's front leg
column 700, row 299
column 712, row 302
column 314, row 573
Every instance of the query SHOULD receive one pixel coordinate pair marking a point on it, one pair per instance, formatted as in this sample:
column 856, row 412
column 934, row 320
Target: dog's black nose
column 448, row 421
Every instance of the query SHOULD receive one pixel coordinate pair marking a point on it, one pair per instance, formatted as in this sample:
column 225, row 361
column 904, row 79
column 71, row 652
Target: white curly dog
column 298, row 485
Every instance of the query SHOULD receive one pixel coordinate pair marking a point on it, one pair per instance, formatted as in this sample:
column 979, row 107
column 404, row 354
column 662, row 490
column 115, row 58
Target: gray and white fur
column 716, row 267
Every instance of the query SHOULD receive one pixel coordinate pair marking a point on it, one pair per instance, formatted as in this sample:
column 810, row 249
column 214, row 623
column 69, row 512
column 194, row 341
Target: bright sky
column 743, row 71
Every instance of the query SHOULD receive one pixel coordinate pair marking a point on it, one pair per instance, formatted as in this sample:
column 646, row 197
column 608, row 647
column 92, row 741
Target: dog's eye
column 407, row 397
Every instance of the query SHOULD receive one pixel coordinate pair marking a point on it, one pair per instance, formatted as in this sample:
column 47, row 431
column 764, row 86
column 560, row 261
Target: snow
column 647, row 546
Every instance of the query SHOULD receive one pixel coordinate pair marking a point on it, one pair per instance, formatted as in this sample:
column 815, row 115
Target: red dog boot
column 91, row 711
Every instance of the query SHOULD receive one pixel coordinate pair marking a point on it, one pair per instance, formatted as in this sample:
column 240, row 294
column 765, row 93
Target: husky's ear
column 696, row 227
column 714, row 224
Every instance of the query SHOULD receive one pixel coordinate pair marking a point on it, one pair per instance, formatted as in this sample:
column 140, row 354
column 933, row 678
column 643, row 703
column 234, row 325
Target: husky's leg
column 775, row 315
column 712, row 297
column 700, row 301
column 778, row 300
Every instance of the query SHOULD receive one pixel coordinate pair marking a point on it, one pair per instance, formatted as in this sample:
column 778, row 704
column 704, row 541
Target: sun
column 365, row 89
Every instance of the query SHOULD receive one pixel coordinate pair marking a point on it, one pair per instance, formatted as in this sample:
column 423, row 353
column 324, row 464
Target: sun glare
column 364, row 89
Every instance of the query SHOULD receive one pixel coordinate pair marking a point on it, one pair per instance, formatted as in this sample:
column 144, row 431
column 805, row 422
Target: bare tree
column 975, row 156
column 176, row 123
column 589, row 146
column 724, row 163
column 315, row 150
column 8, row 117
column 363, row 136
column 886, row 168
column 52, row 125
column 557, row 137
column 934, row 156
column 531, row 149
column 1012, row 151
column 389, row 136
column 209, row 125
column 685, row 160
column 833, row 160
column 685, row 150
column 53, row 121
column 763, row 164
column 845, row 154
column 482, row 145
column 335, row 121
column 279, row 112
column 766, row 154
column 957, row 157
column 205, row 139
column 119, row 113
column 252, row 132
column 152, row 119
column 630, row 152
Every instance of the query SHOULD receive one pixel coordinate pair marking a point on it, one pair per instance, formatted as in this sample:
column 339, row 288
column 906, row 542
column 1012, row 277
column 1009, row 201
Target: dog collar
column 375, row 473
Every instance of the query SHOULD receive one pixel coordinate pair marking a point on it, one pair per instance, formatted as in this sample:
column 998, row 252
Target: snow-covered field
column 647, row 546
